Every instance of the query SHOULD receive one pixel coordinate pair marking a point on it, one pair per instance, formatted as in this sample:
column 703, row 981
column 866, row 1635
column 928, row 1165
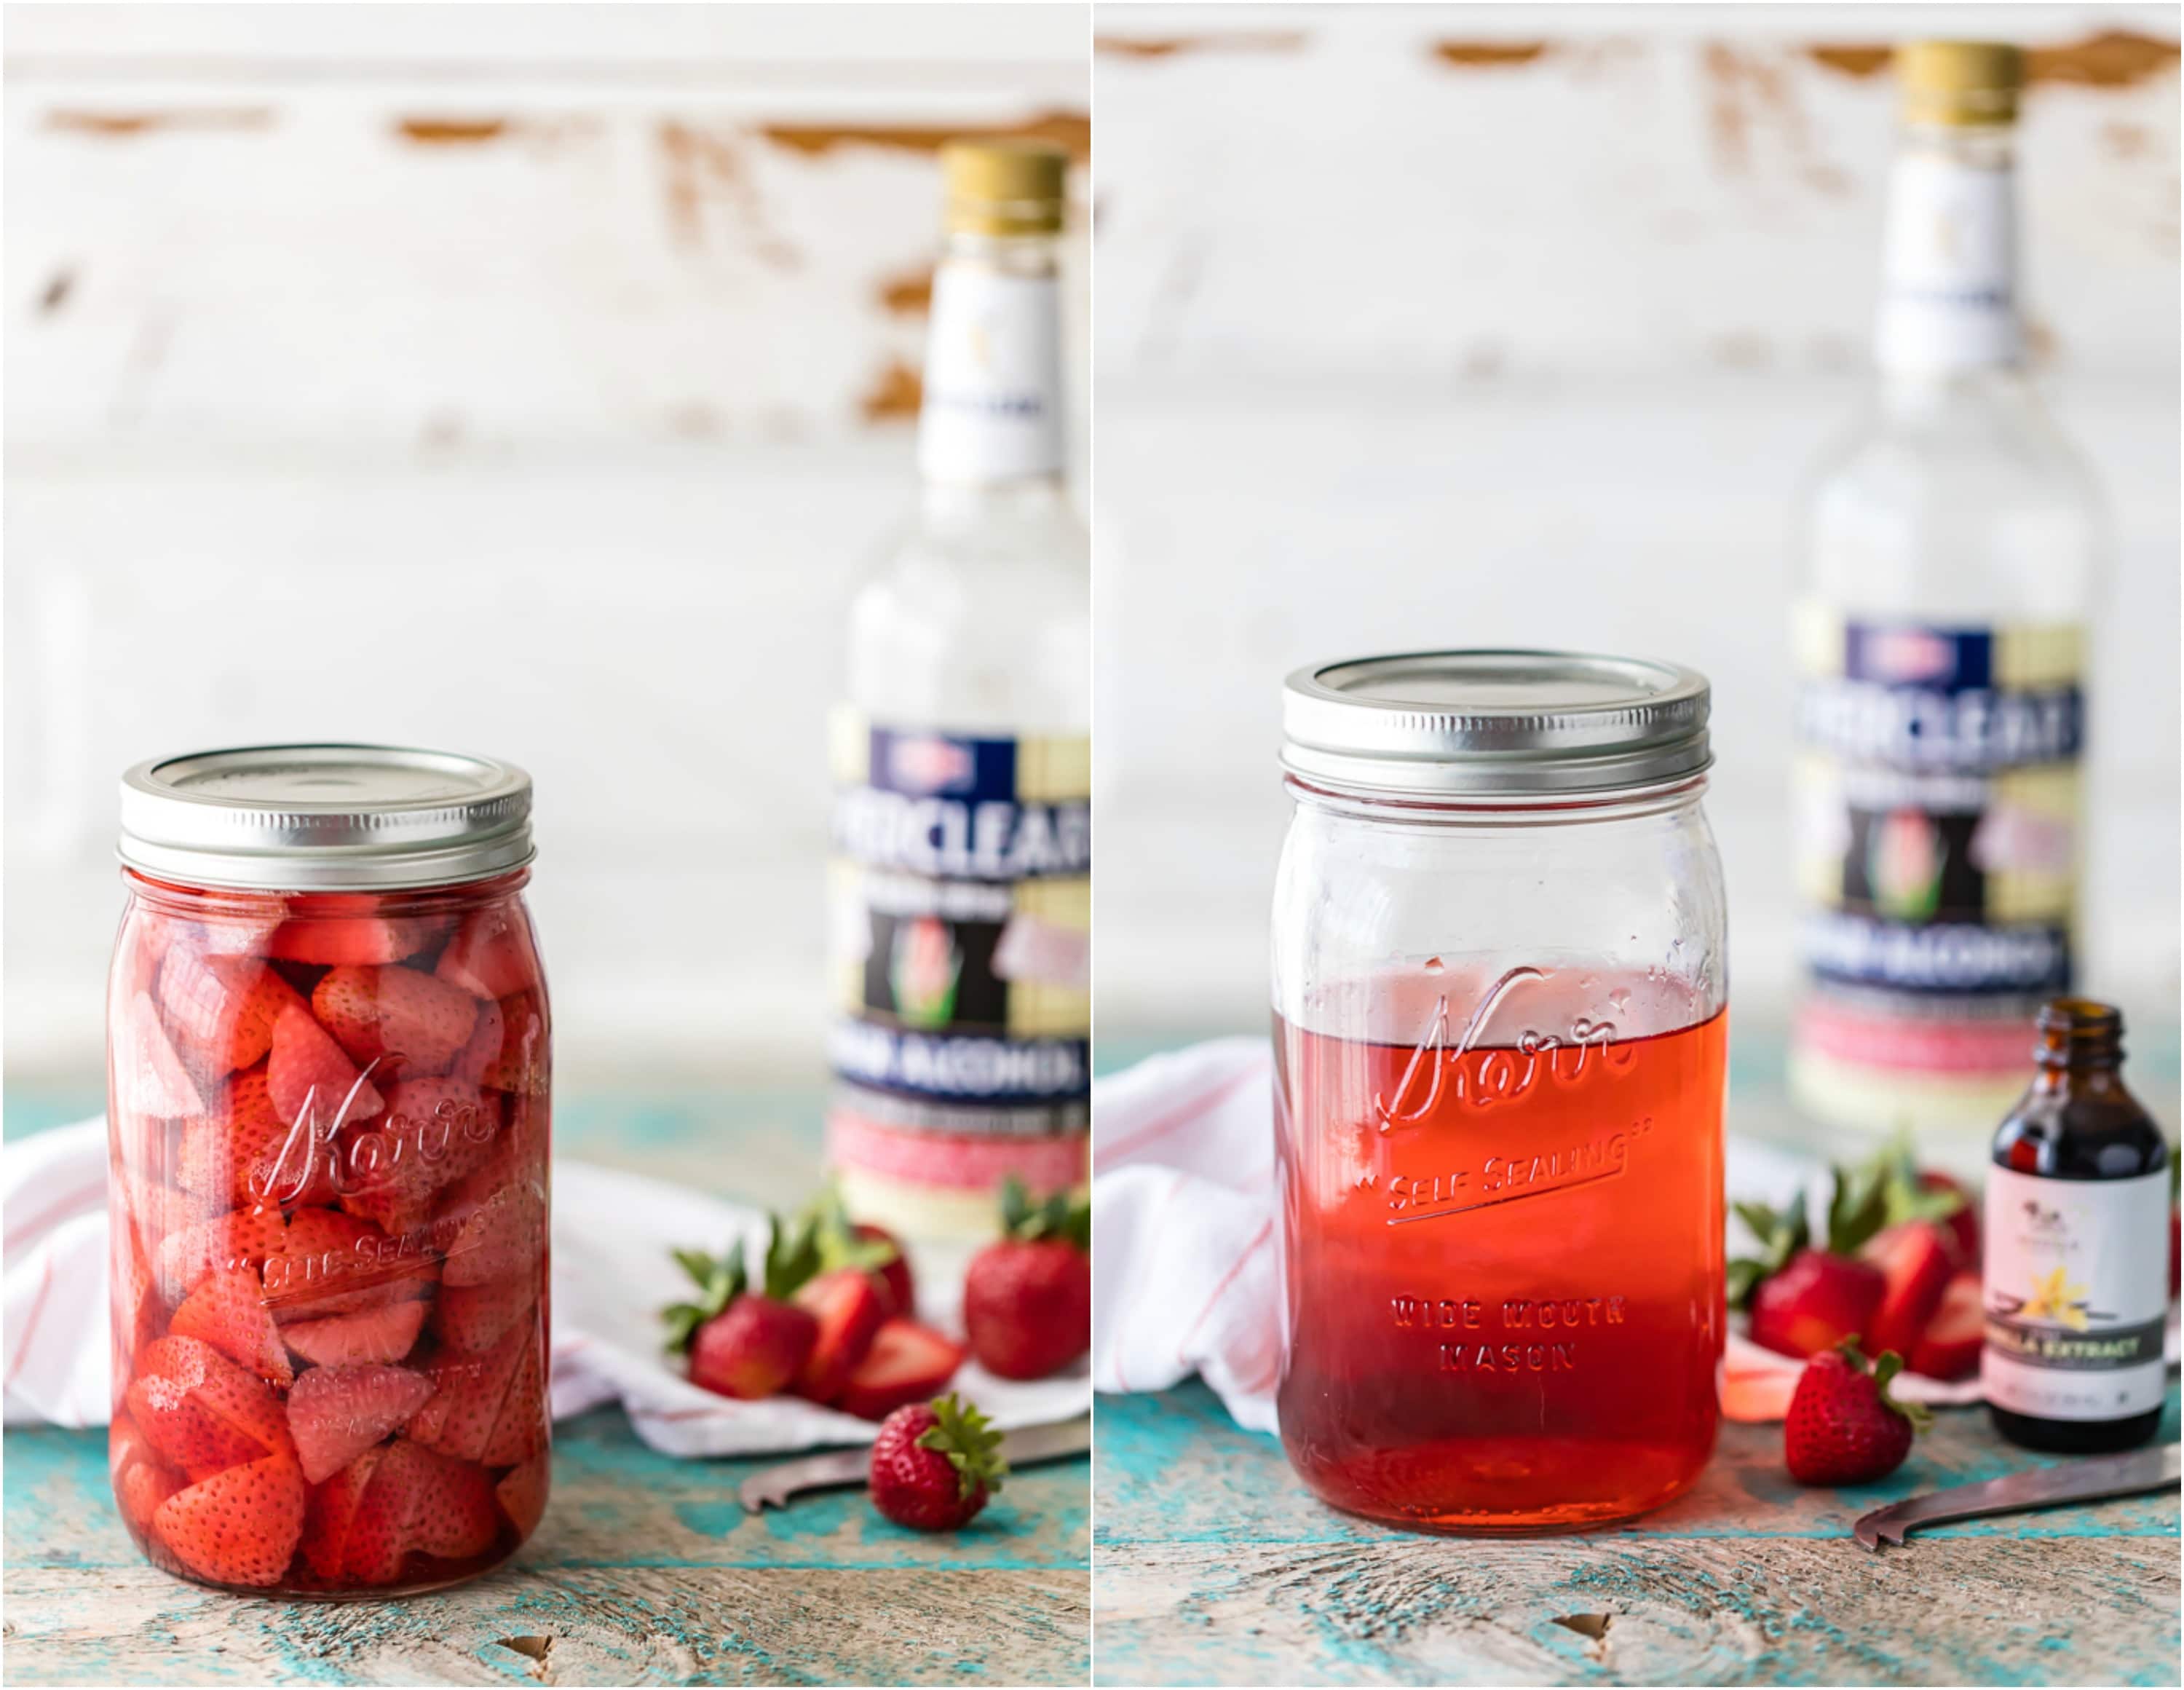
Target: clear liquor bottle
column 1950, row 544
column 961, row 755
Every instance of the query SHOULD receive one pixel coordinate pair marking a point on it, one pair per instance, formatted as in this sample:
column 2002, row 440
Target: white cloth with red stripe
column 1184, row 1274
column 612, row 1231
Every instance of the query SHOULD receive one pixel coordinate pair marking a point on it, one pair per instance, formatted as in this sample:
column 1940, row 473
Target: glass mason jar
column 1499, row 998
column 328, row 1069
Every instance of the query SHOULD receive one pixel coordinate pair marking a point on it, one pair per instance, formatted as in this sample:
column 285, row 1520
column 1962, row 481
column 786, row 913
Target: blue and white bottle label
column 1937, row 782
column 962, row 918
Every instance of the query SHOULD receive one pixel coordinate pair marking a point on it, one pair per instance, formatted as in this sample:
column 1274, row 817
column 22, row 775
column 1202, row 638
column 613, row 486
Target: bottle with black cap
column 2077, row 1247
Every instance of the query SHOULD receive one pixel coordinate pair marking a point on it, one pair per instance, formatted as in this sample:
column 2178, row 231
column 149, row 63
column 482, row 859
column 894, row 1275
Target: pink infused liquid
column 1503, row 1260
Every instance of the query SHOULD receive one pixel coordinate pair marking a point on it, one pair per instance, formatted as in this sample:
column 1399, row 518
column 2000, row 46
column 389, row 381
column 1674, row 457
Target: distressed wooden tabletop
column 645, row 1570
column 1214, row 1565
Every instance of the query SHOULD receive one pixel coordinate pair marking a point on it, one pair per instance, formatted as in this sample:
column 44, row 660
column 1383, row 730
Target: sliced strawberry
column 522, row 1492
column 522, row 1065
column 235, row 924
column 330, row 1264
column 228, row 1311
column 335, row 1414
column 520, row 1430
column 503, row 1237
column 1915, row 1259
column 463, row 1416
column 137, row 1309
column 907, row 1363
column 474, row 1317
column 1963, row 1226
column 308, row 1071
column 243, row 1238
column 244, row 1152
column 1949, row 1348
column 370, row 1335
column 435, row 1132
column 239, row 1526
column 148, row 1076
column 408, row 1022
column 221, row 1009
column 201, row 1411
column 482, row 1049
column 331, row 1516
column 142, row 1481
column 850, row 1306
column 1816, row 1302
column 454, row 1512
column 346, row 928
column 493, row 953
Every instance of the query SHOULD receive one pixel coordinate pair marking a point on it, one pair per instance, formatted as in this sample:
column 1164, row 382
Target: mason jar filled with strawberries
column 329, row 1061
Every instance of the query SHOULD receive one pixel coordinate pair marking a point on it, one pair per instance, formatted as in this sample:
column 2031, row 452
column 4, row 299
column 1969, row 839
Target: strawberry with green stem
column 1027, row 1297
column 933, row 1465
column 1886, row 1260
column 744, row 1343
column 1843, row 1426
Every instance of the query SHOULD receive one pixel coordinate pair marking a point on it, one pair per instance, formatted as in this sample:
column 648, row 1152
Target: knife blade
column 1023, row 1448
column 2067, row 1481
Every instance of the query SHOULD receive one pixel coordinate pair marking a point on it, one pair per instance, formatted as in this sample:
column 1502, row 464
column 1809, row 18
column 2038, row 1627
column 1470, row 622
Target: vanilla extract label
column 962, row 905
column 2076, row 1292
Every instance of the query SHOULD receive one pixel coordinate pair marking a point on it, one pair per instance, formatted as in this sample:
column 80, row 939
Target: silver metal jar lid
column 1494, row 724
column 325, row 818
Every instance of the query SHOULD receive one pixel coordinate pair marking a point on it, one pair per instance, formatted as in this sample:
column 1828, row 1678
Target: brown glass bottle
column 2077, row 1247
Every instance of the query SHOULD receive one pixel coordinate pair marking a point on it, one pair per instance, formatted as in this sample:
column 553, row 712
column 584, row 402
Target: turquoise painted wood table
column 645, row 1570
column 1213, row 1564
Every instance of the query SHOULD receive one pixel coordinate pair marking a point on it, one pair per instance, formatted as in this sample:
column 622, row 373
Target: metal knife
column 2068, row 1481
column 1022, row 1447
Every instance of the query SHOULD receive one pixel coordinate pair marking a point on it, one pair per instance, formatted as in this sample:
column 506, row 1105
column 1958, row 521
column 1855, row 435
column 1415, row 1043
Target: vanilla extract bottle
column 961, row 872
column 2077, row 1247
column 1951, row 546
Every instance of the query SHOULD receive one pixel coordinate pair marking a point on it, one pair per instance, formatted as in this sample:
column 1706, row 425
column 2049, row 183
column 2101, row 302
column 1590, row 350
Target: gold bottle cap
column 1013, row 186
column 1965, row 83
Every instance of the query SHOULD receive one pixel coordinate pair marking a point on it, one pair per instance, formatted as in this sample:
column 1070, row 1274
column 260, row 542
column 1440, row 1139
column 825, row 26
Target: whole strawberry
column 1027, row 1298
column 935, row 1464
column 743, row 1340
column 1844, row 1428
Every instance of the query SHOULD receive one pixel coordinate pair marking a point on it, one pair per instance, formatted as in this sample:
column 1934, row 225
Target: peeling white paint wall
column 536, row 379
column 1521, row 324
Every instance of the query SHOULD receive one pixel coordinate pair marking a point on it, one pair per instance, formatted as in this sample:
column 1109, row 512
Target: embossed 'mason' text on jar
column 1500, row 1010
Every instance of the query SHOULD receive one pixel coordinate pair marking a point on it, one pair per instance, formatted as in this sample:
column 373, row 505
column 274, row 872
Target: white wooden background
column 1521, row 324
column 530, row 378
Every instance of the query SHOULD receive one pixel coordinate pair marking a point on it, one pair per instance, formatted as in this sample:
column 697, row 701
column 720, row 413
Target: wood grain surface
column 1213, row 1566
column 645, row 1570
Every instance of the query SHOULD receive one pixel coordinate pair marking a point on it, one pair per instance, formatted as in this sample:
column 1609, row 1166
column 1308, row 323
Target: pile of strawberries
column 1897, row 1270
column 329, row 1128
column 829, row 1312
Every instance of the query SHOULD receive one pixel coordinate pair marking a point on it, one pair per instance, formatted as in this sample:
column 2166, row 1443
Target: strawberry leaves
column 973, row 1448
column 836, row 1236
column 1920, row 1416
column 793, row 1256
column 1865, row 1198
column 1781, row 1234
column 719, row 1282
column 1061, row 1217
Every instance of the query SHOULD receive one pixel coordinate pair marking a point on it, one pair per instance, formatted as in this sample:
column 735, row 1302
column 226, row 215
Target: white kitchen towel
column 612, row 1232
column 1183, row 1268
